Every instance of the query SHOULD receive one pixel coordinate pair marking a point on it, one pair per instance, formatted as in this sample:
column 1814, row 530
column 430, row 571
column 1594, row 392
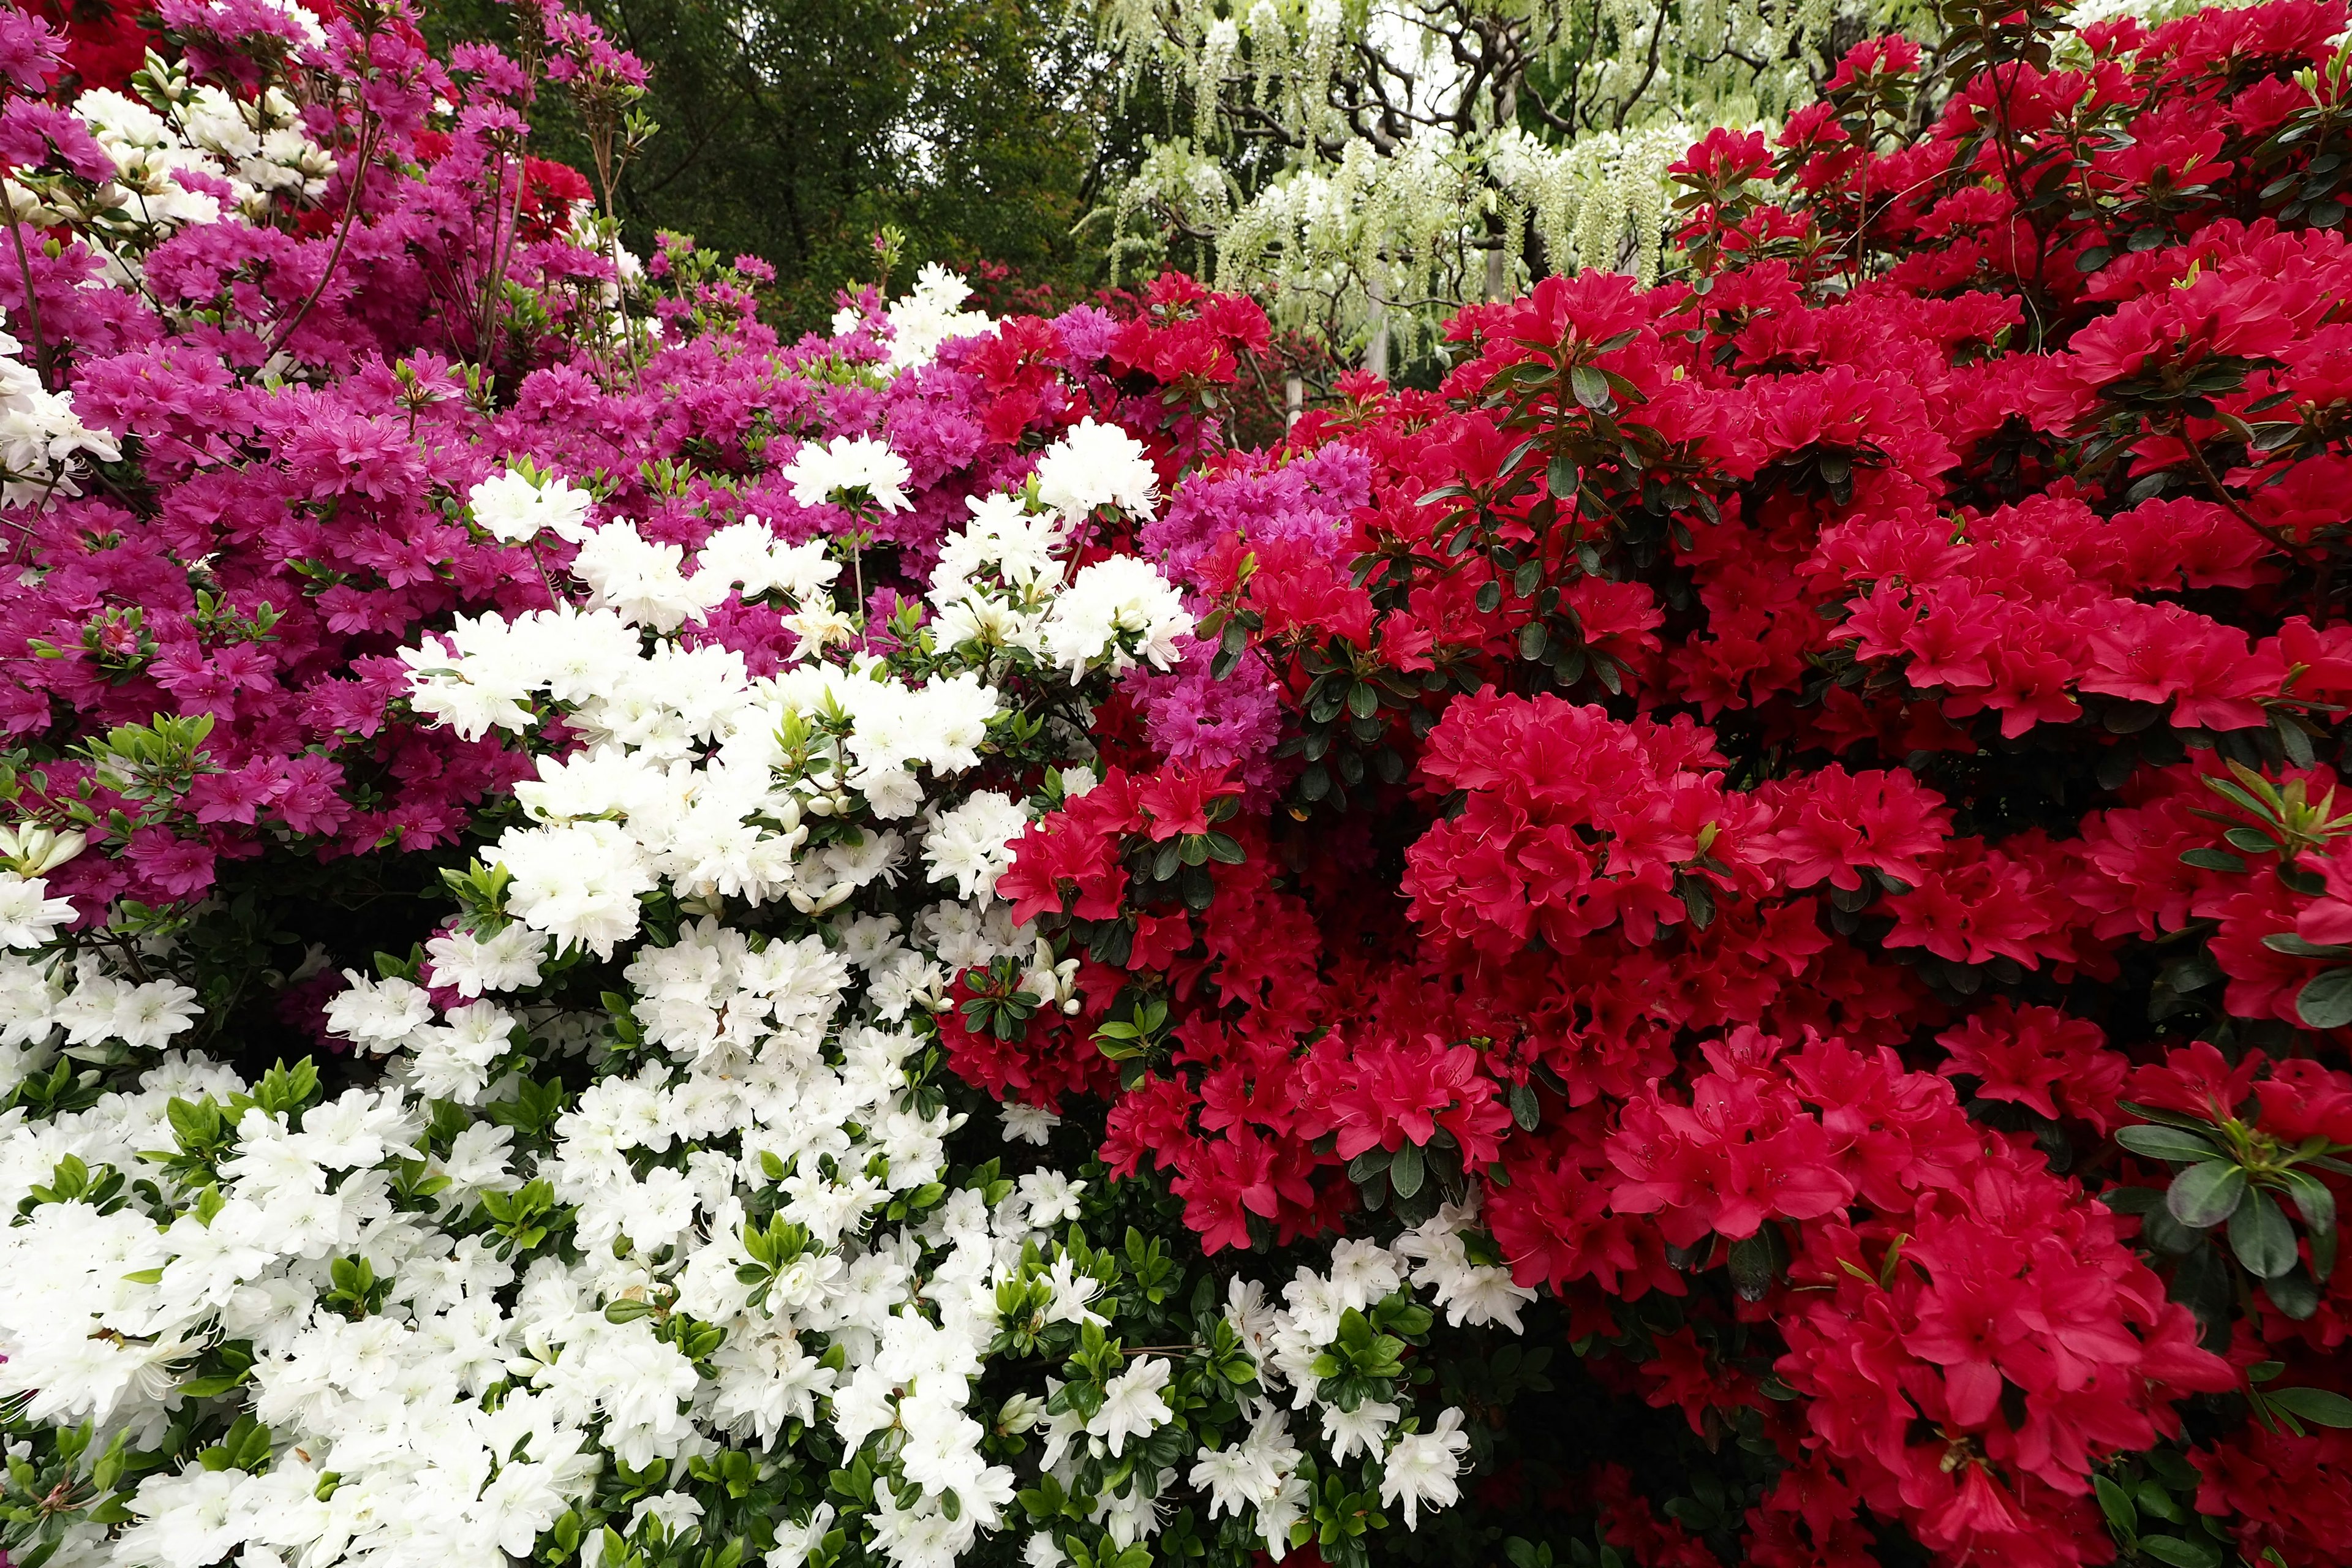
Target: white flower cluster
column 253, row 147
column 921, row 321
column 42, row 441
column 428, row 1393
column 998, row 584
column 46, row 1005
column 517, row 505
column 991, row 592
column 648, row 1223
column 112, row 1313
column 848, row 466
column 1111, row 604
column 1293, row 1345
column 1096, row 465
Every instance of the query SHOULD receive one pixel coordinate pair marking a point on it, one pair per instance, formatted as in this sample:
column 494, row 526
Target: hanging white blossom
column 1368, row 168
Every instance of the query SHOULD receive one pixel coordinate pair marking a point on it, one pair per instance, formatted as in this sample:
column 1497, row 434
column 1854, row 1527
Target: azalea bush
column 506, row 762
column 251, row 426
column 1803, row 805
column 729, row 905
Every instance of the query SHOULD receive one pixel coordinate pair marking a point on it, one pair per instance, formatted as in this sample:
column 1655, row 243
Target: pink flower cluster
column 302, row 402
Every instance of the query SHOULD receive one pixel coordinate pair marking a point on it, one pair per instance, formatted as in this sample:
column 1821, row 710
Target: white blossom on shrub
column 645, row 1218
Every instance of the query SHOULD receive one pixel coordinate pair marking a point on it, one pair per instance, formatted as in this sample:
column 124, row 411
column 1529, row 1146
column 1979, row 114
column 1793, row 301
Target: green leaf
column 2167, row 1143
column 2206, row 859
column 2206, row 1195
column 2181, row 1551
column 2313, row 1200
column 2316, row 1204
column 211, row 1387
column 2157, row 1113
column 2325, row 999
column 1405, row 1170
column 2260, row 1237
column 2192, row 972
column 2152, row 1496
column 2299, row 878
column 2116, row 1504
column 2166, row 1234
column 1590, row 387
column 2294, row 1294
column 2293, row 946
column 2316, row 1405
column 1755, row 1262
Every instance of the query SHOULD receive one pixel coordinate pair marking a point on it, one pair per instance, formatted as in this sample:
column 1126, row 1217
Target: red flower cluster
column 1573, row 822
column 1808, row 794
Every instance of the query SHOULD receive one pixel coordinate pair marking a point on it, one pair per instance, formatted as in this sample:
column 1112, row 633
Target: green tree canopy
column 794, row 129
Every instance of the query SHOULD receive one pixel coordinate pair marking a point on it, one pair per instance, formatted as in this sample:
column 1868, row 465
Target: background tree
column 794, row 130
column 1378, row 163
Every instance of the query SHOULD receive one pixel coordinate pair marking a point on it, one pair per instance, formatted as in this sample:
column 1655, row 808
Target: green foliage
column 795, row 130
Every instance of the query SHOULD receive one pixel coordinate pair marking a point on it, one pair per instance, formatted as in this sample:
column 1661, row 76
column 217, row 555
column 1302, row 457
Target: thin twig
column 32, row 302
column 485, row 296
column 285, row 333
column 2237, row 510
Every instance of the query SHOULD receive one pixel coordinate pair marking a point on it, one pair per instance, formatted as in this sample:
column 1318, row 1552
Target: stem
column 505, row 257
column 342, row 234
column 554, row 599
column 31, row 304
column 485, row 297
column 621, row 297
column 600, row 146
column 127, row 951
column 2325, row 562
column 2237, row 510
